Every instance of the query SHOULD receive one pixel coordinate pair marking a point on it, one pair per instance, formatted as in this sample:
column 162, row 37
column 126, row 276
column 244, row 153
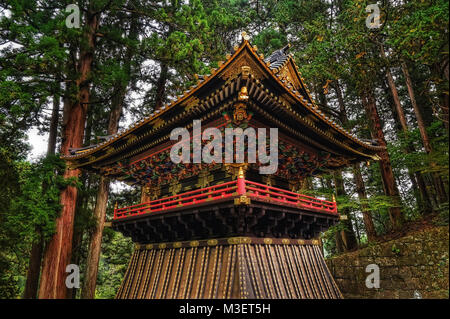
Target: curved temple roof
column 277, row 78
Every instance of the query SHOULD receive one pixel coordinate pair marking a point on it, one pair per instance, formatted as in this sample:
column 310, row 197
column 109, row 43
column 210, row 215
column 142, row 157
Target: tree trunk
column 58, row 251
column 360, row 187
column 367, row 215
column 420, row 122
column 95, row 241
column 34, row 266
column 394, row 92
column 51, row 146
column 387, row 175
column 339, row 244
column 441, row 71
column 437, row 181
column 422, row 198
column 93, row 257
column 161, row 86
column 348, row 235
column 342, row 111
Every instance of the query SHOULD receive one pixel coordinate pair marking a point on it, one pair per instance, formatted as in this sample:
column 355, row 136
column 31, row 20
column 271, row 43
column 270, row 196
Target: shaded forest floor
column 428, row 221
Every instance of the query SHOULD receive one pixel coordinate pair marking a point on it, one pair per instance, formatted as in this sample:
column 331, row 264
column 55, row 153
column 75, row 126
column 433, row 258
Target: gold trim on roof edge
column 207, row 79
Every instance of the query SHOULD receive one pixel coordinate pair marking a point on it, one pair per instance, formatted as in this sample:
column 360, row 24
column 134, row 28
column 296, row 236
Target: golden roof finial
column 334, row 198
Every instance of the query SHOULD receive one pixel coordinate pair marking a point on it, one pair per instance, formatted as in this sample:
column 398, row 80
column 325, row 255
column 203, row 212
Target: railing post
column 334, row 205
column 115, row 210
column 241, row 182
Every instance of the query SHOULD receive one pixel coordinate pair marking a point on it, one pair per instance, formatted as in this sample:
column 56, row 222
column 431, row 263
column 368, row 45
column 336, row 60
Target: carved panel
column 236, row 67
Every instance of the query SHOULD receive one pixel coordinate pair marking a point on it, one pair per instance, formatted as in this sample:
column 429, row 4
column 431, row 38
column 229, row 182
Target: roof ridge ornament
column 245, row 36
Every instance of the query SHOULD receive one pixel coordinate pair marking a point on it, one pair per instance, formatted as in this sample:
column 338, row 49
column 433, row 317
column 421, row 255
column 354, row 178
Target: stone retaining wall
column 414, row 265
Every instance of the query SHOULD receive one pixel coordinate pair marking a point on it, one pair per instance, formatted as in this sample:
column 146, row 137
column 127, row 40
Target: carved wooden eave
column 272, row 86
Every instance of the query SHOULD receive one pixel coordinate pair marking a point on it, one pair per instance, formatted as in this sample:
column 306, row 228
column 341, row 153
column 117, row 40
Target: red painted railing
column 185, row 199
column 264, row 192
column 239, row 187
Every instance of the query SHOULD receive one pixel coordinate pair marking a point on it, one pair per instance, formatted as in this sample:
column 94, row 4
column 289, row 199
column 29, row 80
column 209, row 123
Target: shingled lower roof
column 244, row 268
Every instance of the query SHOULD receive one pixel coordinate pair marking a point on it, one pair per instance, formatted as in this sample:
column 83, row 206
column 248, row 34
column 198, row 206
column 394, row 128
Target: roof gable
column 278, row 72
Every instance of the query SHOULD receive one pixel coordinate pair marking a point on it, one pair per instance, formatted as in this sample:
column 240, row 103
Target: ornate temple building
column 223, row 230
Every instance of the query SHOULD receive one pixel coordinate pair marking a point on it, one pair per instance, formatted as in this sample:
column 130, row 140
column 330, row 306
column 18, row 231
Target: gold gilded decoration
column 286, row 75
column 235, row 68
column 190, row 103
column 204, row 178
column 294, row 186
column 110, row 150
column 240, row 113
column 315, row 242
column 233, row 240
column 312, row 118
column 194, row 243
column 155, row 192
column 240, row 108
column 157, row 122
column 242, row 200
column 241, row 173
column 149, row 246
column 175, row 187
column 245, row 72
column 162, row 246
column 177, row 245
column 130, row 138
column 233, row 169
column 375, row 157
column 247, row 240
column 243, row 94
column 268, row 241
column 285, row 241
column 268, row 180
column 212, row 242
column 301, row 242
column 152, row 191
column 338, row 162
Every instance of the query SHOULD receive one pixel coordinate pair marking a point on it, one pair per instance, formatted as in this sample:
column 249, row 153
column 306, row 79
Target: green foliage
column 9, row 189
column 395, row 249
column 29, row 210
column 116, row 254
column 38, row 205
